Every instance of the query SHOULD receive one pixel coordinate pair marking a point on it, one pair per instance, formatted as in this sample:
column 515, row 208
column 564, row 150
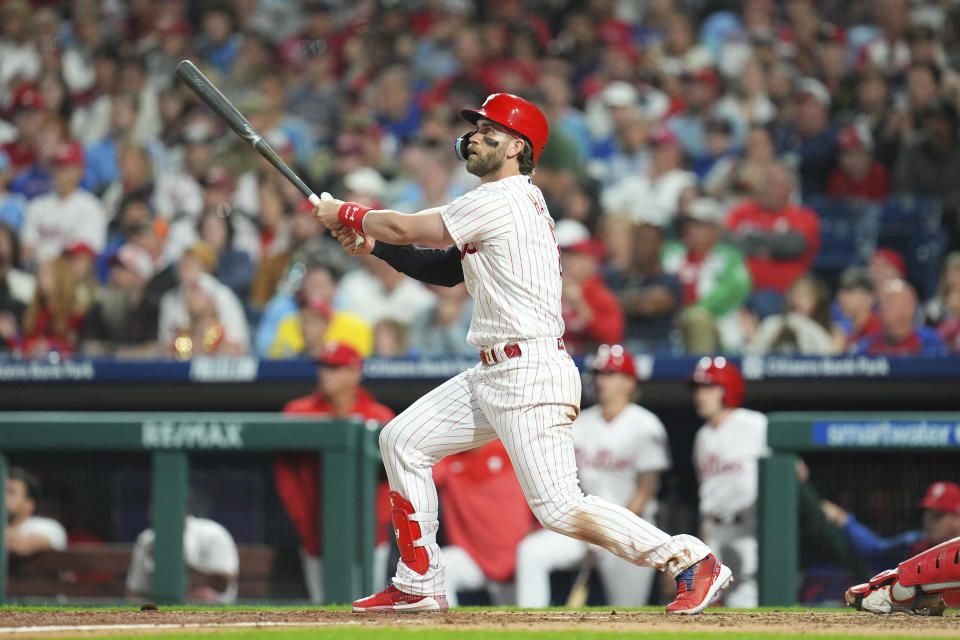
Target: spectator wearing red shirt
column 856, row 297
column 779, row 238
column 900, row 335
column 338, row 395
column 858, row 174
column 592, row 314
column 485, row 516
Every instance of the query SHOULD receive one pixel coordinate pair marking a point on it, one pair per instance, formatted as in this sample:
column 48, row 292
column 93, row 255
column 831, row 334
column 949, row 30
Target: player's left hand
column 349, row 239
column 327, row 212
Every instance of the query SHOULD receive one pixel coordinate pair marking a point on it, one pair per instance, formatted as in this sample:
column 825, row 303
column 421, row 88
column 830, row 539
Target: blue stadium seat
column 848, row 233
column 911, row 225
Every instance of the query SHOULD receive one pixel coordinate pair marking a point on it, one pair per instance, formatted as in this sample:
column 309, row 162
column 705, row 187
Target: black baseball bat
column 221, row 105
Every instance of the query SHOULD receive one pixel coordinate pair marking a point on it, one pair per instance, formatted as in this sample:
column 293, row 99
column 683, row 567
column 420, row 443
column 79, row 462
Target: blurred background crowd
column 726, row 175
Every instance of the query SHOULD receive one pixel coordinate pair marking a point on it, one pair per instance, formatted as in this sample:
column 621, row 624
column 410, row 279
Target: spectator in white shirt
column 28, row 533
column 67, row 216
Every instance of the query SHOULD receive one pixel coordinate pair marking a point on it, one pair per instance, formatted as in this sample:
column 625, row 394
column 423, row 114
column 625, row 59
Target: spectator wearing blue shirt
column 901, row 335
column 941, row 522
column 219, row 42
column 397, row 110
column 718, row 146
column 103, row 165
column 810, row 142
column 12, row 205
column 701, row 90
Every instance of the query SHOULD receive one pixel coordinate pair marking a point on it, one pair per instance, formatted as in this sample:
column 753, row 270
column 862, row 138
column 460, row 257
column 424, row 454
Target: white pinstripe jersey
column 511, row 263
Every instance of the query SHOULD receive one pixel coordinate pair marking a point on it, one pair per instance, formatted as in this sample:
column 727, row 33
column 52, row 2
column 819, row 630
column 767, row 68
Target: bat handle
column 314, row 199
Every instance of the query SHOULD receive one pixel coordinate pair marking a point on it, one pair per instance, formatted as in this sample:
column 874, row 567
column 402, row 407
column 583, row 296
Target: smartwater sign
column 887, row 433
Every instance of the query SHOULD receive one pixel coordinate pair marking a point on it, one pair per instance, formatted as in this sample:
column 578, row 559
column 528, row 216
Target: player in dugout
column 927, row 582
column 526, row 388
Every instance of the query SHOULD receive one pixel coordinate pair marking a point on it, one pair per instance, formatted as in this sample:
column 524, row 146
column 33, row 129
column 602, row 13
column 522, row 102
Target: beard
column 482, row 165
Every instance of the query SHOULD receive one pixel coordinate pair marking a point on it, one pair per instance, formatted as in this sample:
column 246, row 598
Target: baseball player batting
column 725, row 454
column 525, row 390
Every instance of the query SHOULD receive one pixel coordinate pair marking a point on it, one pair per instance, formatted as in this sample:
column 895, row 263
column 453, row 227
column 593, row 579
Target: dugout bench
column 99, row 571
column 790, row 434
column 350, row 460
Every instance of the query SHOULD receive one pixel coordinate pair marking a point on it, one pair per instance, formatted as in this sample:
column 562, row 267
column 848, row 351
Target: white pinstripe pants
column 528, row 402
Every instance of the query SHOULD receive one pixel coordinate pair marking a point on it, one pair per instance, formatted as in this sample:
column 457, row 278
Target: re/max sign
column 169, row 434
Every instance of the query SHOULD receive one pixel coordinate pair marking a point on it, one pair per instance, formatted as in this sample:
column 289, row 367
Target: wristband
column 351, row 215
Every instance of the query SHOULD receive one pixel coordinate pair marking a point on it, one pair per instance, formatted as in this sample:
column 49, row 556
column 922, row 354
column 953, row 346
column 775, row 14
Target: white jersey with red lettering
column 611, row 454
column 726, row 457
column 526, row 392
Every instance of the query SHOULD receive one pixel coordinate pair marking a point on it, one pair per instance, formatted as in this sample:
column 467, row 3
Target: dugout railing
column 348, row 449
column 791, row 434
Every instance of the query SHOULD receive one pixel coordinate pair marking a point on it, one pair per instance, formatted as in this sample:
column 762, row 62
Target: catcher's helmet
column 517, row 115
column 720, row 372
column 614, row 359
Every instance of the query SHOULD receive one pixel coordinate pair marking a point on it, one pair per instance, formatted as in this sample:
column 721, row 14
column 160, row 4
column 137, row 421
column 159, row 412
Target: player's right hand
column 348, row 238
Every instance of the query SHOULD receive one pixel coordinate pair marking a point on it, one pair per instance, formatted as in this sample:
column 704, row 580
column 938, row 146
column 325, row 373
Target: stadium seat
column 848, row 233
column 911, row 225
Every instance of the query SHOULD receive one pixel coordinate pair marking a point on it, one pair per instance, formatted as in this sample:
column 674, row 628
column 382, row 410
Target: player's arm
column 648, row 483
column 425, row 227
column 25, row 545
column 433, row 266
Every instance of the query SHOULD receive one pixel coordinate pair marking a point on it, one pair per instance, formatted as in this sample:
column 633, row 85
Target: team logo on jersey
column 467, row 248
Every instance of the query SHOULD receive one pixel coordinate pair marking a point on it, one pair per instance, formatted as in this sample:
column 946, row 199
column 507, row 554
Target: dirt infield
column 29, row 624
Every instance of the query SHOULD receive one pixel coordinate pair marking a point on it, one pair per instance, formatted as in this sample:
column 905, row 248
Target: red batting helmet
column 517, row 115
column 614, row 359
column 720, row 372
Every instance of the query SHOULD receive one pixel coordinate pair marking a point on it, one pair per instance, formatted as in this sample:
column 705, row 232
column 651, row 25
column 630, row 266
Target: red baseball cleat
column 698, row 585
column 392, row 599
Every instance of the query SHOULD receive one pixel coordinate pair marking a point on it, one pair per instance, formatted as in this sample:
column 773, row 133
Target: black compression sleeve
column 433, row 266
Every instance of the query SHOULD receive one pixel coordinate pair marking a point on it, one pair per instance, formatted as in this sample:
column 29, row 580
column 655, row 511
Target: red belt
column 511, row 350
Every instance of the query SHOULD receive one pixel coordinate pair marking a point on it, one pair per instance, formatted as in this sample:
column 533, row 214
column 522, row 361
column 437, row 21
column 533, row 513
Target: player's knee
column 388, row 441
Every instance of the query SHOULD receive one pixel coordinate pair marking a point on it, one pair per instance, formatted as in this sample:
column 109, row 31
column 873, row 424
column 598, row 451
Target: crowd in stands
column 727, row 176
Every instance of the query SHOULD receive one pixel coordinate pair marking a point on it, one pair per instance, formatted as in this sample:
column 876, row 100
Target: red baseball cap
column 588, row 246
column 338, row 354
column 855, row 137
column 614, row 359
column 79, row 249
column 942, row 496
column 664, row 135
column 70, row 153
column 705, row 75
column 28, row 97
column 892, row 258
